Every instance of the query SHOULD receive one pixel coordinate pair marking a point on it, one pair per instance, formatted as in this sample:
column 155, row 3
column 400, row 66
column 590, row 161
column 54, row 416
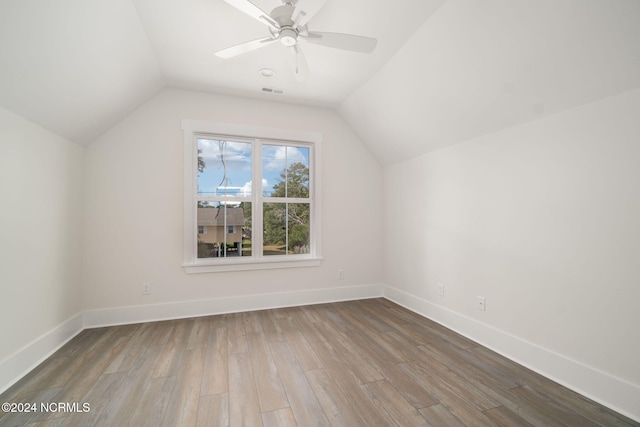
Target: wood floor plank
column 236, row 334
column 458, row 384
column 505, row 417
column 415, row 394
column 218, row 321
column 244, row 408
column 213, row 410
column 161, row 333
column 125, row 400
column 526, row 396
column 252, row 322
column 58, row 422
column 468, row 367
column 386, row 397
column 384, row 311
column 314, row 313
column 215, row 378
column 303, row 402
column 98, row 397
column 298, row 344
column 199, row 333
column 269, row 387
column 348, row 385
column 335, row 404
column 173, row 351
column 357, row 363
column 87, row 375
column 151, row 409
column 462, row 409
column 432, row 328
column 375, row 343
column 270, row 321
column 361, row 366
column 140, row 337
column 439, row 416
column 279, row 418
column 182, row 408
column 361, row 319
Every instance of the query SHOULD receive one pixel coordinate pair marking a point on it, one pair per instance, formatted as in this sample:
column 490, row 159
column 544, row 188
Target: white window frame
column 194, row 129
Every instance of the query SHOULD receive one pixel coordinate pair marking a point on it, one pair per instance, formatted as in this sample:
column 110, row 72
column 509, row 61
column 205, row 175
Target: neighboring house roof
column 215, row 216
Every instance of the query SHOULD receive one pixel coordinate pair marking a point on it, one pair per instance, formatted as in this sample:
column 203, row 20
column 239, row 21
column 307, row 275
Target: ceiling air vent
column 272, row 90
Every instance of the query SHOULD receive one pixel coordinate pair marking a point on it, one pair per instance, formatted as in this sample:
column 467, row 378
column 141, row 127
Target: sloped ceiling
column 443, row 71
column 75, row 67
column 480, row 66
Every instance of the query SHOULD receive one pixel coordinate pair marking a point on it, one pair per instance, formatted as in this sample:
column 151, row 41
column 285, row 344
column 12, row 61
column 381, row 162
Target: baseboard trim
column 615, row 393
column 185, row 309
column 19, row 364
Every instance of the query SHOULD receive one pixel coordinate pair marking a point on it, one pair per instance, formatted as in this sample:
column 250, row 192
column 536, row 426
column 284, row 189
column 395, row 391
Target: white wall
column 40, row 233
column 543, row 220
column 134, row 206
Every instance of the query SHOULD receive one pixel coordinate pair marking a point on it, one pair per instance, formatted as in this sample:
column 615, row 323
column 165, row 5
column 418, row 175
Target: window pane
column 224, row 229
column 285, row 171
column 286, row 228
column 224, row 168
column 275, row 234
column 298, row 227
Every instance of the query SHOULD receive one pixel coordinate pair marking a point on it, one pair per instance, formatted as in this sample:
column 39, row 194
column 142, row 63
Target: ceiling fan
column 288, row 25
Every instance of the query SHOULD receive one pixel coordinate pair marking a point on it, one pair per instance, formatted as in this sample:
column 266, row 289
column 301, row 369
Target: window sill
column 207, row 266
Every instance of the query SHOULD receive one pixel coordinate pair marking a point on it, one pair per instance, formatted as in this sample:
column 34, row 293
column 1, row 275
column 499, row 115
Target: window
column 251, row 197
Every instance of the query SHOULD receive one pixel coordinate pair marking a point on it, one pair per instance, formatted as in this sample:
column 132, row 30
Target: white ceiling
column 442, row 72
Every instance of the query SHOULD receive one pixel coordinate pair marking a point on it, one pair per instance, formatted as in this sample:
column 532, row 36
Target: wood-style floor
column 358, row 363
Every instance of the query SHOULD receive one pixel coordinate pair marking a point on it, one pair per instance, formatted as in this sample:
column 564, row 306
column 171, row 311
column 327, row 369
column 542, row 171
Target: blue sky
column 237, row 159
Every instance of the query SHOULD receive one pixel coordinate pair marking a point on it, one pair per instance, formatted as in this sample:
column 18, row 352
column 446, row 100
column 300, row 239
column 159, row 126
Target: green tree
column 280, row 218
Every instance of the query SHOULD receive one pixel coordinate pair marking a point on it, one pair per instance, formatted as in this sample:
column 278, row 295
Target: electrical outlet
column 440, row 289
column 340, row 274
column 481, row 304
column 146, row 288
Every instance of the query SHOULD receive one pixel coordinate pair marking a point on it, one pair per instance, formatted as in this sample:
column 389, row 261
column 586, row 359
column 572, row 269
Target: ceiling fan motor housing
column 288, row 36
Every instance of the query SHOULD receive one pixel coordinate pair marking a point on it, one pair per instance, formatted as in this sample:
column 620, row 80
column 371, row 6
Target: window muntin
column 271, row 180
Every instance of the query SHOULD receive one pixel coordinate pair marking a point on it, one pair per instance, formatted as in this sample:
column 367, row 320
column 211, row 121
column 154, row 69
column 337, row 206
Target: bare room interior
column 320, row 212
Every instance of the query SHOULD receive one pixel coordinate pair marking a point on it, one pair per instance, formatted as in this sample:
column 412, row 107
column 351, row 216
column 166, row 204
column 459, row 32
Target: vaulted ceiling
column 442, row 72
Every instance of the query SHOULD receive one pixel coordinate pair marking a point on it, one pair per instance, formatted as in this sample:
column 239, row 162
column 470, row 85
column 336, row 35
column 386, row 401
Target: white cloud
column 236, row 153
column 245, row 190
column 279, row 156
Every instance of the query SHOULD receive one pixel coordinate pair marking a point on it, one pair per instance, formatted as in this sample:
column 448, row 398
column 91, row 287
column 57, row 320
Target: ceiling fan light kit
column 289, row 31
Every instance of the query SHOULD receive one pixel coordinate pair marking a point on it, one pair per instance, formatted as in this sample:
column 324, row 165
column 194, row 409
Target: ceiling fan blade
column 254, row 11
column 300, row 65
column 239, row 49
column 342, row 41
